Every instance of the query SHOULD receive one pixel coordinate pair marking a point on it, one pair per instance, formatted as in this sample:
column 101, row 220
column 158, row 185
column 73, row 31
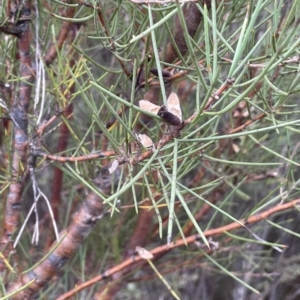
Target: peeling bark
column 83, row 222
column 20, row 114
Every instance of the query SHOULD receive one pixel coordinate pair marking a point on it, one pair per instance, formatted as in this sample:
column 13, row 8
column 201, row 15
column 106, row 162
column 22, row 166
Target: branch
column 216, row 96
column 189, row 240
column 51, row 55
column 247, row 123
column 20, row 115
column 83, row 222
column 63, row 159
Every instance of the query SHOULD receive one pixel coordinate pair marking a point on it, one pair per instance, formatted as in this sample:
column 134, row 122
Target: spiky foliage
column 214, row 199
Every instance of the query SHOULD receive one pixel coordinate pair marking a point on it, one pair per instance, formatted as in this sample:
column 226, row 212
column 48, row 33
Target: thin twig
column 191, row 239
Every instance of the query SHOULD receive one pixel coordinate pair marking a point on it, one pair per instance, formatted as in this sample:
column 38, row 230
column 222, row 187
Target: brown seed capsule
column 168, row 116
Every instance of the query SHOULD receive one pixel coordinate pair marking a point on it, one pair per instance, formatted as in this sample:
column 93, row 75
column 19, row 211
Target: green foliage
column 237, row 173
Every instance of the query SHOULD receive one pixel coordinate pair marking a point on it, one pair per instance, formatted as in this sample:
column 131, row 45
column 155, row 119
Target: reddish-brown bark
column 20, row 114
column 58, row 173
column 62, row 36
column 158, row 251
column 82, row 224
column 63, row 133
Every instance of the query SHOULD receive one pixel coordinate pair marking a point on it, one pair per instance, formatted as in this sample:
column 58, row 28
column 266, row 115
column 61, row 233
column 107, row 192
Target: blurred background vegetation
column 238, row 157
